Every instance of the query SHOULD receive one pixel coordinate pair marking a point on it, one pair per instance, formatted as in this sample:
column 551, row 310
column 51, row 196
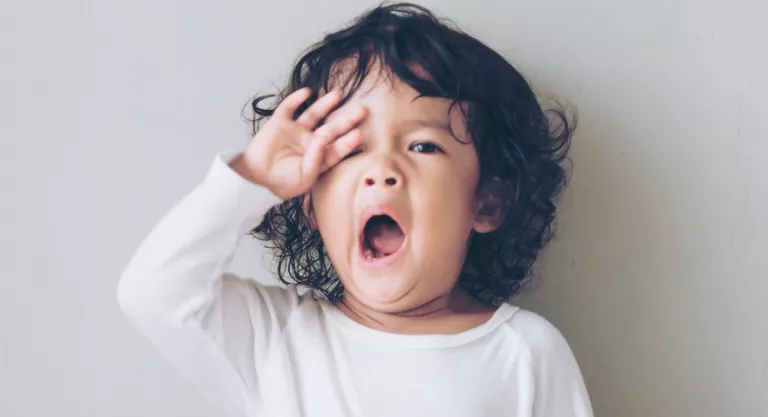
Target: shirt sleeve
column 559, row 389
column 215, row 327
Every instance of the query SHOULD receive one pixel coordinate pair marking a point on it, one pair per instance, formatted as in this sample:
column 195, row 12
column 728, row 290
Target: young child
column 407, row 176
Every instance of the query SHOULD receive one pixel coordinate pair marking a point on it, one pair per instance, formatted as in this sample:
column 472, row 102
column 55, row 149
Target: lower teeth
column 369, row 255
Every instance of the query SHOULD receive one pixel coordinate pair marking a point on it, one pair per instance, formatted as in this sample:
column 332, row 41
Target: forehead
column 389, row 98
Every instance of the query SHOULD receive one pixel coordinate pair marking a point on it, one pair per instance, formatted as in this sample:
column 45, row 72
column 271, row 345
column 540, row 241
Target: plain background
column 112, row 110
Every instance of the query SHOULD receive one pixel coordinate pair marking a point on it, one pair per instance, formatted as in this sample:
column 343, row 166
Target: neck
column 448, row 313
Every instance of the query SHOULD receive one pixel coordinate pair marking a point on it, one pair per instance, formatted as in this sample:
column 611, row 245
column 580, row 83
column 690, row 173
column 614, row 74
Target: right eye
column 351, row 154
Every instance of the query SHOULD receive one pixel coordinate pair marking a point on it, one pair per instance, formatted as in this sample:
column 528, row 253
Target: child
column 407, row 176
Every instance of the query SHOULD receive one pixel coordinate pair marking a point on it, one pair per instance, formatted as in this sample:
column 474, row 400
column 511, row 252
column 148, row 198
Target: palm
column 288, row 155
column 288, row 175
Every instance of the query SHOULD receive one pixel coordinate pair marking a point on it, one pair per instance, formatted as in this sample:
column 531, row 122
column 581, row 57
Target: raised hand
column 288, row 155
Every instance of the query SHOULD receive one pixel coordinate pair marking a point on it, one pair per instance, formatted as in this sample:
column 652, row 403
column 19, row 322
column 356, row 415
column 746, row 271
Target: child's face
column 412, row 167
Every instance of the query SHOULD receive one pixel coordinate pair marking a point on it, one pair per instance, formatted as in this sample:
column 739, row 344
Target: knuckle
column 323, row 131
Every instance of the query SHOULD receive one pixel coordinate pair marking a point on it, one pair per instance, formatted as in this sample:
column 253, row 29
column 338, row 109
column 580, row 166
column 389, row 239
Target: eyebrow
column 414, row 124
column 430, row 123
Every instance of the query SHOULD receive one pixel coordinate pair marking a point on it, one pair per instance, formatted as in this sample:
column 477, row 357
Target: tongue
column 385, row 238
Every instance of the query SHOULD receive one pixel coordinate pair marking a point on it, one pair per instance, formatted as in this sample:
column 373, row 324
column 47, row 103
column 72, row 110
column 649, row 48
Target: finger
column 336, row 151
column 339, row 127
column 319, row 109
column 288, row 106
column 312, row 161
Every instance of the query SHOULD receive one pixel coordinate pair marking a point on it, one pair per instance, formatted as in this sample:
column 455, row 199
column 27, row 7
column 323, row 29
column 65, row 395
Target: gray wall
column 112, row 110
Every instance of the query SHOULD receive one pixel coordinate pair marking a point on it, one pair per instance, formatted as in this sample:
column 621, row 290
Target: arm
column 175, row 290
column 217, row 328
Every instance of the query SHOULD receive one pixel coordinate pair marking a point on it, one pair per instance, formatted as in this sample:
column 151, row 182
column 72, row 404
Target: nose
column 382, row 173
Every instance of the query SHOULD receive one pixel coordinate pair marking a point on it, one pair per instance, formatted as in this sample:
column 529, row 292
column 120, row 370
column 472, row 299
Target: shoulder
column 542, row 338
column 558, row 385
column 277, row 303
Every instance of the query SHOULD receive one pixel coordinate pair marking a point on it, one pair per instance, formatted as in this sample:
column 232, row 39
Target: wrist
column 243, row 168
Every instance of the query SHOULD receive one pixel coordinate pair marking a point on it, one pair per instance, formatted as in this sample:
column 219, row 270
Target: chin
column 384, row 292
column 384, row 289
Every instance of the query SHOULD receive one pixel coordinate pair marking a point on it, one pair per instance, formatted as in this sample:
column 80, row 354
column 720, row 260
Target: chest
column 341, row 378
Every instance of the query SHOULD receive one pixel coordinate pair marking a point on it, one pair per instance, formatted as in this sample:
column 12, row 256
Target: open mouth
column 382, row 237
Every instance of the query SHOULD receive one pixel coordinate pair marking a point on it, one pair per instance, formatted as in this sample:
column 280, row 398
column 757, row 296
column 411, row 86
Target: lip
column 374, row 264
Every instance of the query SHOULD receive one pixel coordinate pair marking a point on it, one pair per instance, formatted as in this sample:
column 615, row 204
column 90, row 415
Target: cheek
column 462, row 190
column 330, row 205
column 447, row 205
column 322, row 196
column 323, row 192
column 456, row 184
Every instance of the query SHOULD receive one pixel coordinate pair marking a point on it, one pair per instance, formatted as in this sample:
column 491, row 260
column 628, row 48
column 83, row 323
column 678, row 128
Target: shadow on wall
column 611, row 278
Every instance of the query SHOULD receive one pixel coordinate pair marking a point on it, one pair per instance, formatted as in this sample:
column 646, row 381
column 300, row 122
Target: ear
column 309, row 214
column 490, row 211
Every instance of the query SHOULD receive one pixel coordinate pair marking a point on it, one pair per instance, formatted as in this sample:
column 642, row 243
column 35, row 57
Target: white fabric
column 268, row 351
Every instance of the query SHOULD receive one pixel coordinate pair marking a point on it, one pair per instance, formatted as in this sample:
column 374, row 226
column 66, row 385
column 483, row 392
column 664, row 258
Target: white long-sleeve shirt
column 268, row 351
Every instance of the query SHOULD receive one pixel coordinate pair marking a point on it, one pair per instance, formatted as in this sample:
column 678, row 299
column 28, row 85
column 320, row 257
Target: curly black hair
column 521, row 147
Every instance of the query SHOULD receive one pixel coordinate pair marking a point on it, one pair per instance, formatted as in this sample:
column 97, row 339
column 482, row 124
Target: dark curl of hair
column 521, row 148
